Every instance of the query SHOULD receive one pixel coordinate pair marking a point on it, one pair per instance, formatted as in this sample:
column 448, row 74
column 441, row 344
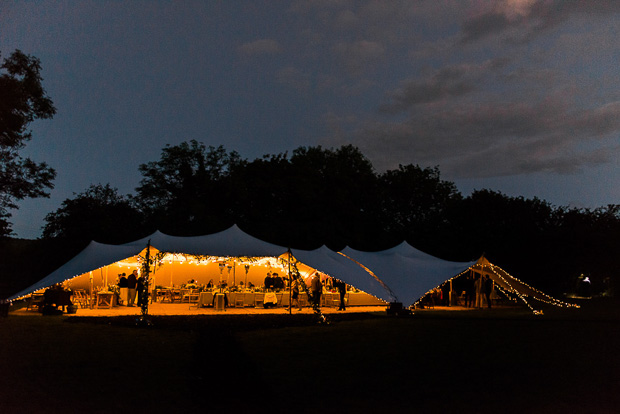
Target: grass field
column 504, row 361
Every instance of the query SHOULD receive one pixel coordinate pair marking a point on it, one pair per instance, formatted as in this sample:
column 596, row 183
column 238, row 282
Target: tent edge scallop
column 341, row 267
column 92, row 257
column 410, row 272
column 232, row 242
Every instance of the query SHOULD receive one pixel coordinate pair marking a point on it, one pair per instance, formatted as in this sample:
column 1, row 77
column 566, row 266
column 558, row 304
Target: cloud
column 261, row 47
column 294, row 78
column 521, row 20
column 520, row 97
column 451, row 81
column 495, row 139
column 356, row 56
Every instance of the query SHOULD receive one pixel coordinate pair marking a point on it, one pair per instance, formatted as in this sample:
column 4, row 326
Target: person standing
column 317, row 288
column 488, row 289
column 268, row 282
column 470, row 291
column 132, row 284
column 295, row 294
column 122, row 289
column 479, row 287
column 342, row 290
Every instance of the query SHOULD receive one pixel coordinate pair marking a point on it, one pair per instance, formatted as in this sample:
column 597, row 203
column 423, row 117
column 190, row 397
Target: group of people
column 135, row 286
column 274, row 282
column 477, row 291
column 478, row 287
column 316, row 289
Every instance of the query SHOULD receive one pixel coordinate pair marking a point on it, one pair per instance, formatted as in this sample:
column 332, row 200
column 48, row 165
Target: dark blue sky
column 517, row 96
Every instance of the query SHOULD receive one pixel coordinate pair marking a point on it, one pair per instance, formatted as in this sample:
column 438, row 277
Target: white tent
column 229, row 243
column 232, row 242
column 340, row 267
column 94, row 256
column 408, row 272
column 402, row 273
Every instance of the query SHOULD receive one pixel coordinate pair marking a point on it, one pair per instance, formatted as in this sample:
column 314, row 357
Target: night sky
column 519, row 96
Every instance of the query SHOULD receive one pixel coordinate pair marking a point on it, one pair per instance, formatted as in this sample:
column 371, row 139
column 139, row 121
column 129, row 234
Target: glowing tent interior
column 216, row 257
column 400, row 274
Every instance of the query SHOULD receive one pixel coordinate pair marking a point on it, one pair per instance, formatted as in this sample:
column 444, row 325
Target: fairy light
column 548, row 299
column 415, row 304
column 512, row 290
column 371, row 273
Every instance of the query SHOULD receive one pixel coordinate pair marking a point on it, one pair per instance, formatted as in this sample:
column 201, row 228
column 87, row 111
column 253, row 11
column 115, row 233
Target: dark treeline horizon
column 317, row 196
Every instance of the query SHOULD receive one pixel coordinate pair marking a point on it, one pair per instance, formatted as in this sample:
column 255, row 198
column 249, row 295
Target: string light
column 386, row 287
column 481, row 267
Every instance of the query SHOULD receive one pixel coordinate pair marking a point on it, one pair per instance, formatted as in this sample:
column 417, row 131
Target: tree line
column 310, row 197
column 334, row 196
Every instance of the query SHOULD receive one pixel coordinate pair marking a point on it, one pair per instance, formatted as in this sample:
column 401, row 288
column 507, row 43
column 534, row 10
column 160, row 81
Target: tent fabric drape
column 409, row 272
column 232, row 242
column 405, row 273
column 94, row 256
column 340, row 267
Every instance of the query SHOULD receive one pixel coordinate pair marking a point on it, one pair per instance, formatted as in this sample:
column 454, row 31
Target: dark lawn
column 458, row 362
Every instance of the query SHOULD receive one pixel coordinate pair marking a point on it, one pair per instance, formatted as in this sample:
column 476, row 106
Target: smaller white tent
column 514, row 288
column 407, row 271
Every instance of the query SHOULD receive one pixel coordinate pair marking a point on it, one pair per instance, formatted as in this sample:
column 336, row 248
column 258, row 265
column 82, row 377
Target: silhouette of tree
column 415, row 202
column 317, row 196
column 185, row 191
column 22, row 100
column 585, row 240
column 99, row 214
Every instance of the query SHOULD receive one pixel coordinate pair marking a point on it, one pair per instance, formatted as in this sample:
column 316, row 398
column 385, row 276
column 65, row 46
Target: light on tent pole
column 146, row 268
column 91, row 290
column 171, row 269
column 290, row 284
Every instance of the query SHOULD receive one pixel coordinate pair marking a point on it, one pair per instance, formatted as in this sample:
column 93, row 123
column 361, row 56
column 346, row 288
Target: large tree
column 415, row 203
column 22, row 100
column 185, row 191
column 99, row 213
column 316, row 196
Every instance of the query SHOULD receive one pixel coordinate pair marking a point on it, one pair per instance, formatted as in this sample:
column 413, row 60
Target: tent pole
column 290, row 284
column 146, row 269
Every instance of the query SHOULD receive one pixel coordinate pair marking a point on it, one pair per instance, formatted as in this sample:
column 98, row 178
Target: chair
column 80, row 298
column 176, row 295
column 303, row 300
column 259, row 300
column 248, row 299
column 35, row 301
column 336, row 300
column 166, row 296
column 193, row 298
column 239, row 300
column 185, row 295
